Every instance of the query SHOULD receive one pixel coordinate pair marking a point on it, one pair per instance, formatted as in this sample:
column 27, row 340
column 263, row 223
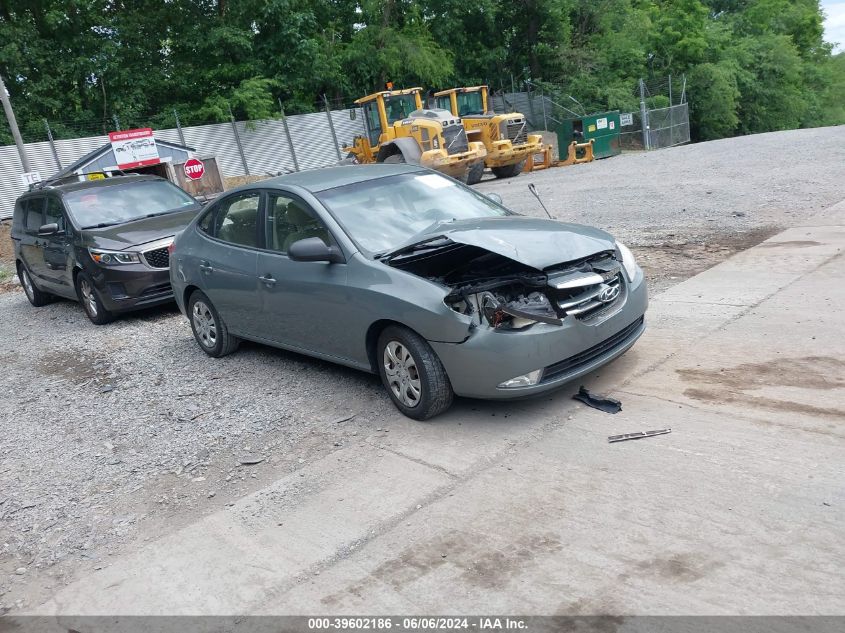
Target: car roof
column 75, row 185
column 315, row 180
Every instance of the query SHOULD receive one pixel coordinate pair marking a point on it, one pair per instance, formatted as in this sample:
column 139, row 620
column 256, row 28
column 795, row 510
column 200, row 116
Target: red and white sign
column 134, row 148
column 194, row 168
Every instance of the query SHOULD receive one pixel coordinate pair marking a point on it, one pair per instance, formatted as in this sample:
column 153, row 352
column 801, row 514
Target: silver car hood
column 535, row 242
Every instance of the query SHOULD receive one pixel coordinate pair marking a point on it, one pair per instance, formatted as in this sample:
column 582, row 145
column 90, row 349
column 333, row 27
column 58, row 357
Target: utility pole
column 13, row 124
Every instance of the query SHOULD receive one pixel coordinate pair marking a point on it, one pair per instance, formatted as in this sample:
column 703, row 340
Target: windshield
column 383, row 214
column 470, row 103
column 115, row 204
column 399, row 106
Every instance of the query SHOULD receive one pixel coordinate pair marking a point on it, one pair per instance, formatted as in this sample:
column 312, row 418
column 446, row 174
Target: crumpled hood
column 129, row 234
column 535, row 242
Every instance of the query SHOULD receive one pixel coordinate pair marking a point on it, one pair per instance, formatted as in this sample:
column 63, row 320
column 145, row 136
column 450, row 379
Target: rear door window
column 236, row 220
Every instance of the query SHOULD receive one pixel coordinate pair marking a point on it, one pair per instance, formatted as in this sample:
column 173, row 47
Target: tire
column 475, row 173
column 509, row 171
column 36, row 297
column 90, row 300
column 394, row 159
column 210, row 331
column 406, row 360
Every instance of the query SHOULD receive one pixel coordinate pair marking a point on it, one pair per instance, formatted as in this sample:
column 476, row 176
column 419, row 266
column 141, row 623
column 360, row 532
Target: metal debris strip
column 602, row 403
column 637, row 436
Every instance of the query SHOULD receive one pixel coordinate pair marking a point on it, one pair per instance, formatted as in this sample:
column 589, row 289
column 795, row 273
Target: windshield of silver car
column 383, row 214
column 115, row 204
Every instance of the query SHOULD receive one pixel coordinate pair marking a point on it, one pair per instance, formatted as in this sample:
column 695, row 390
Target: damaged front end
column 506, row 295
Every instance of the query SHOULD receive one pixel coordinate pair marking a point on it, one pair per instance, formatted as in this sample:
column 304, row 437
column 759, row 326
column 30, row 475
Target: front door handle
column 267, row 280
column 206, row 268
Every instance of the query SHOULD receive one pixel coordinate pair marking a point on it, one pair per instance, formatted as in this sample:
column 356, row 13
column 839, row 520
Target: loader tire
column 394, row 159
column 509, row 171
column 475, row 173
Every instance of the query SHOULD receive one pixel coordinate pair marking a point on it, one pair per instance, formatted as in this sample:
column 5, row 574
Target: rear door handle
column 268, row 280
column 206, row 268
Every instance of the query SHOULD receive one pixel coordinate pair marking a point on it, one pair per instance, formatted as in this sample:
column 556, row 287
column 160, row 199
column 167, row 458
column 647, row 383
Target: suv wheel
column 36, row 297
column 209, row 330
column 412, row 374
column 90, row 300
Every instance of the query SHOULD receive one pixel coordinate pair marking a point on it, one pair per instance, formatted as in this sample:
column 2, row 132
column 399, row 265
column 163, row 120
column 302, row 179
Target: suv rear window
column 119, row 203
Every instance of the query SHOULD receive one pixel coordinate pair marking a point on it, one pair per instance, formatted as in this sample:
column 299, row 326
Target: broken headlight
column 517, row 312
column 629, row 263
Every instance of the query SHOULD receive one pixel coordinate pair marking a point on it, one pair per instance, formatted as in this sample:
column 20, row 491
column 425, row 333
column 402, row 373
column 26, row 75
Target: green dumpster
column 602, row 127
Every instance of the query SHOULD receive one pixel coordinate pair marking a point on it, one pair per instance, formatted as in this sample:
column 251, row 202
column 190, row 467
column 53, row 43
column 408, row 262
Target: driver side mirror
column 45, row 230
column 495, row 197
column 313, row 249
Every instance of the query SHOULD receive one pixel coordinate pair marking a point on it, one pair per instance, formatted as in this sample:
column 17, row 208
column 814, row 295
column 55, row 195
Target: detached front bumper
column 490, row 357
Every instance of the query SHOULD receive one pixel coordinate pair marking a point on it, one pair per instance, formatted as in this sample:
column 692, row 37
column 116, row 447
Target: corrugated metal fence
column 265, row 145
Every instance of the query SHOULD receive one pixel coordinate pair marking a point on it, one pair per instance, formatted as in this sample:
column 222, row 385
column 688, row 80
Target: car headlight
column 629, row 263
column 113, row 258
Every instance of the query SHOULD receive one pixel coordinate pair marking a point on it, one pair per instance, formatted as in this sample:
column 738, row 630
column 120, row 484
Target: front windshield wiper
column 101, row 225
column 412, row 244
column 153, row 215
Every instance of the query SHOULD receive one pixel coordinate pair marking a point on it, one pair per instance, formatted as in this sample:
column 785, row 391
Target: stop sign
column 194, row 168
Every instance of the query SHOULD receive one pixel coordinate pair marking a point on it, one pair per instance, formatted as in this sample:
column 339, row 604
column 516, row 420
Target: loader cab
column 463, row 101
column 383, row 109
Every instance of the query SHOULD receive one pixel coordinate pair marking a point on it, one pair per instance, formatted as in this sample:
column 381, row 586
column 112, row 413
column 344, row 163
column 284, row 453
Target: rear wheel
column 209, row 330
column 36, row 297
column 90, row 300
column 475, row 173
column 412, row 374
column 509, row 171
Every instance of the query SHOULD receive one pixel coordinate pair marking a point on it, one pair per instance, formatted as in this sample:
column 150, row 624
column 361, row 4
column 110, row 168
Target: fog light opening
column 525, row 380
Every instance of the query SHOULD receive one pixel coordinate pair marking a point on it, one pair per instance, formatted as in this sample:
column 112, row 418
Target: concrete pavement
column 525, row 508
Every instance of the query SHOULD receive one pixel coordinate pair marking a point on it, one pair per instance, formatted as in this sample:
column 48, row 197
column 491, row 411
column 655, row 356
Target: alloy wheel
column 204, row 324
column 88, row 298
column 26, row 282
column 402, row 374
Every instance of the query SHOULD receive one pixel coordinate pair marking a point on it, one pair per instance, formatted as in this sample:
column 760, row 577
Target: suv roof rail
column 65, row 178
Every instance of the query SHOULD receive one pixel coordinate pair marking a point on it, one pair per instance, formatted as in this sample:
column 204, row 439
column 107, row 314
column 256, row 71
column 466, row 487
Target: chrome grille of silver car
column 589, row 295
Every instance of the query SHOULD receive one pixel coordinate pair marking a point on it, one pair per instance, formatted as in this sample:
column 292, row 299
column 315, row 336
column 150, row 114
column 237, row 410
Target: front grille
column 158, row 258
column 455, row 139
column 590, row 290
column 573, row 363
column 516, row 132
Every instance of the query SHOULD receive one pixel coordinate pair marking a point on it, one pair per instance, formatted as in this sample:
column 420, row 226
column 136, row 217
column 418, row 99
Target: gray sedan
column 400, row 271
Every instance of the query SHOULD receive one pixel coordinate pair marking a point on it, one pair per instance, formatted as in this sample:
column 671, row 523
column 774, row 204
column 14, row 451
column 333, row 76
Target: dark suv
column 102, row 242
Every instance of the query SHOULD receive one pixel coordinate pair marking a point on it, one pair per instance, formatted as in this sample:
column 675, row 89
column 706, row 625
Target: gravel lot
column 115, row 435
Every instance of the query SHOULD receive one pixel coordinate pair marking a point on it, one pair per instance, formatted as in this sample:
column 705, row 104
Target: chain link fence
column 663, row 117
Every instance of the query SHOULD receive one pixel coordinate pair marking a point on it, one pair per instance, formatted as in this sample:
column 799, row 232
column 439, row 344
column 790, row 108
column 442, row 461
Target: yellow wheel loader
column 399, row 130
column 505, row 136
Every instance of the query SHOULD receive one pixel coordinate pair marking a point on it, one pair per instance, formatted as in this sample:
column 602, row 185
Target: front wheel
column 412, row 374
column 36, row 297
column 509, row 171
column 209, row 330
column 475, row 173
column 90, row 300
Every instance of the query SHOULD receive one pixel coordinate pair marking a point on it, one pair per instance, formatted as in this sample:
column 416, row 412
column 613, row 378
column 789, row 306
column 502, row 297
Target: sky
column 834, row 24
